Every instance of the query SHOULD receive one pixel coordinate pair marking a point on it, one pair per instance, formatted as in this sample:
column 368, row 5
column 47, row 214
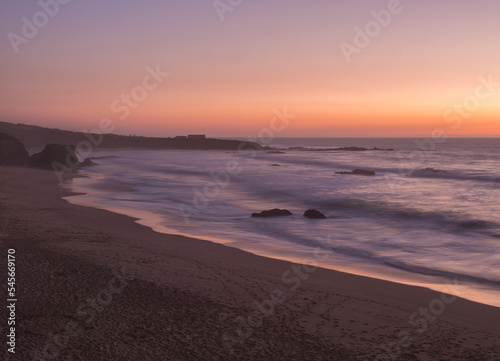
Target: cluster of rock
column 53, row 156
column 347, row 149
column 359, row 172
column 12, row 151
column 314, row 214
column 430, row 171
column 310, row 213
column 273, row 213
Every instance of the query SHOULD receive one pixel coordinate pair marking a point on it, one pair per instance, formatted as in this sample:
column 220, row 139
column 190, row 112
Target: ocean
column 430, row 216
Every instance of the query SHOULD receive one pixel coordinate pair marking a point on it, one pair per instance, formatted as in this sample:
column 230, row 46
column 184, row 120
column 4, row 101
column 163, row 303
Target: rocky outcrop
column 359, row 172
column 12, row 151
column 87, row 163
column 352, row 149
column 34, row 136
column 363, row 172
column 347, row 149
column 314, row 214
column 55, row 156
column 273, row 213
column 430, row 171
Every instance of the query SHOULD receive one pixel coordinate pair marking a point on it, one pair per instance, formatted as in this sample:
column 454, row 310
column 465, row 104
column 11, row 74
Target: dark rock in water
column 347, row 149
column 273, row 213
column 12, row 151
column 275, row 165
column 314, row 214
column 359, row 172
column 105, row 157
column 431, row 170
column 473, row 224
column 353, row 149
column 57, row 157
column 363, row 172
column 87, row 163
column 276, row 152
column 361, row 149
column 428, row 172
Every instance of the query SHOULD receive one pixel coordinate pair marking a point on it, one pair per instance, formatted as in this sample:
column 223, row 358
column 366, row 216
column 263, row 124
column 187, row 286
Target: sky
column 224, row 68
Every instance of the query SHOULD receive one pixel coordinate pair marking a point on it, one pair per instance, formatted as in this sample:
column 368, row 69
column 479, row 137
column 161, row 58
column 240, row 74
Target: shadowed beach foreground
column 93, row 285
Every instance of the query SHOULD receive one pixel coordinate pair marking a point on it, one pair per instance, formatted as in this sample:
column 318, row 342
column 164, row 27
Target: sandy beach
column 94, row 285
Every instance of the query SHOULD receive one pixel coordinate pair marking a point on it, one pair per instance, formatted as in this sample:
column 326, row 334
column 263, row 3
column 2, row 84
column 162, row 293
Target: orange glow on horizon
column 226, row 78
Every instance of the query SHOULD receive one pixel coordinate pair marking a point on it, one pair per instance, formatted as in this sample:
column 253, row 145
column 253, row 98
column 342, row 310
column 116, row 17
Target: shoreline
column 439, row 283
column 181, row 282
column 399, row 276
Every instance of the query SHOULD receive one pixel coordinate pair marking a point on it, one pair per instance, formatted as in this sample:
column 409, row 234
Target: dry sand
column 196, row 300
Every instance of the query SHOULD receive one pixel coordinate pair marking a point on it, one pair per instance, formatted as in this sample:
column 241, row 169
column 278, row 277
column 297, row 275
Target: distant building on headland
column 191, row 136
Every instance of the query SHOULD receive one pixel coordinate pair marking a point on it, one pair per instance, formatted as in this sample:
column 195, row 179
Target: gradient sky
column 227, row 77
